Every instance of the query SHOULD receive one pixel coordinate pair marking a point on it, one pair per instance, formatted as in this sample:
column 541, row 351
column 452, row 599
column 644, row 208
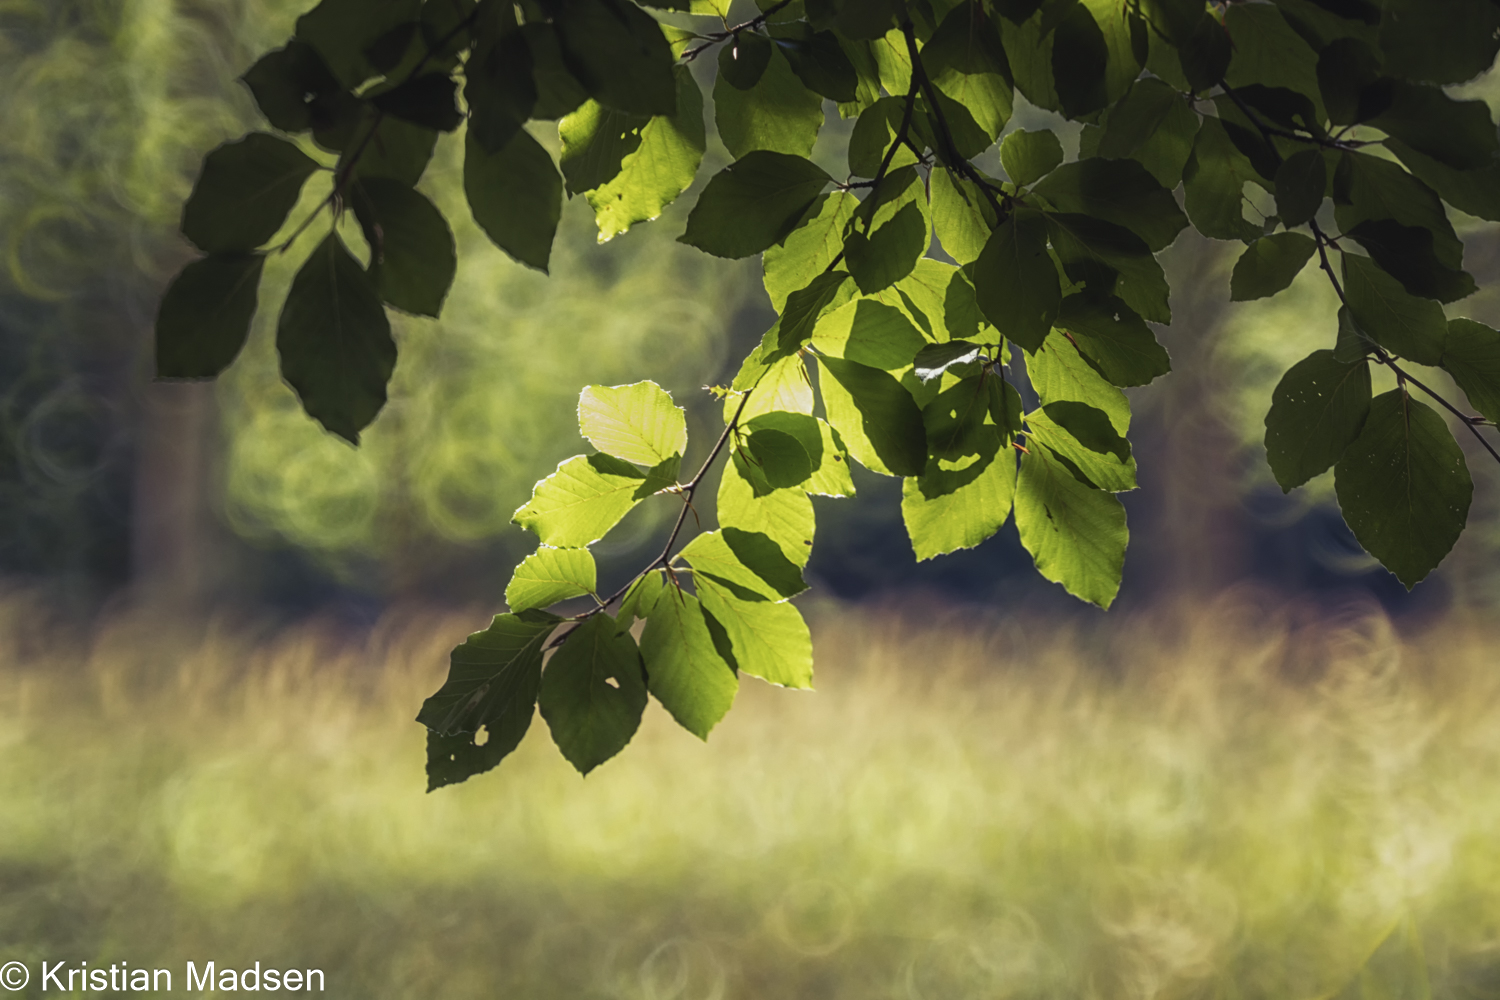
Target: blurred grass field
column 1228, row 799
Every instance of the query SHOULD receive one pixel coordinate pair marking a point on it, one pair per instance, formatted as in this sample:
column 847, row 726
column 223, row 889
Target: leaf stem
column 956, row 162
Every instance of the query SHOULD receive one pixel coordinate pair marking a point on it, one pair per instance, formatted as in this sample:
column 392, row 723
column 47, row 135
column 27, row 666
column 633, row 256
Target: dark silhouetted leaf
column 1406, row 254
column 1404, row 487
column 1397, row 320
column 412, row 256
column 593, row 692
column 618, row 52
column 516, row 197
column 1472, row 356
column 245, row 192
column 1301, row 182
column 753, row 203
column 1269, row 265
column 335, row 341
column 492, row 684
column 1316, row 412
column 205, row 315
column 1016, row 282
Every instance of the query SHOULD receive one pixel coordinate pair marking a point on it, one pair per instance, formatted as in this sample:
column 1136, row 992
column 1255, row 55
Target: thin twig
column 686, row 491
column 341, row 177
column 959, row 163
column 1403, row 377
column 720, row 36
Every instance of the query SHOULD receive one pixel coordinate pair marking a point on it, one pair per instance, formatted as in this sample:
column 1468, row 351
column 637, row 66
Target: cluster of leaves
column 909, row 291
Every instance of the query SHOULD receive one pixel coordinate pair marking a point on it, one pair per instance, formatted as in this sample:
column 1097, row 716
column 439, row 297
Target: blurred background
column 1269, row 770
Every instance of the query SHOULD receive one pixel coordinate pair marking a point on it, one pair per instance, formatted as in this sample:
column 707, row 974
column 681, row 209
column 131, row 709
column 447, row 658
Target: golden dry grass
column 1213, row 800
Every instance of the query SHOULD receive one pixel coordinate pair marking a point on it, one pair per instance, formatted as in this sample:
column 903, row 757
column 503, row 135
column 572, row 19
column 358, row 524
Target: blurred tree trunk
column 177, row 540
column 1189, row 513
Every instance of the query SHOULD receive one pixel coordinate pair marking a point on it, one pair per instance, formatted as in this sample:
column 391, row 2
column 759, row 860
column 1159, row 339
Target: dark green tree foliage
column 883, row 354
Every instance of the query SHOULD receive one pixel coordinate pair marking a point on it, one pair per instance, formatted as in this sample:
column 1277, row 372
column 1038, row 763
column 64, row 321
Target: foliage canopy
column 912, row 291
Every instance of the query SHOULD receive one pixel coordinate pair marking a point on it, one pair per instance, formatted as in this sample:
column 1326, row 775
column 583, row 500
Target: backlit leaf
column 684, row 669
column 636, row 422
column 875, row 415
column 1015, row 280
column 1075, row 533
column 1029, row 156
column 777, row 112
column 586, row 496
column 550, row 575
column 658, row 169
column 770, row 640
column 958, row 505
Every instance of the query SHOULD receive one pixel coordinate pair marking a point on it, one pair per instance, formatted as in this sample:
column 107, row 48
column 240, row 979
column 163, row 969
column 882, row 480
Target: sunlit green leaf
column 957, row 505
column 412, row 255
column 684, row 669
column 777, row 112
column 658, row 169
column 636, row 422
column 808, row 250
column 962, row 216
column 784, row 516
column 550, row 575
column 586, row 496
column 875, row 415
column 1059, row 372
column 770, row 640
column 1075, row 533
column 748, row 563
column 1084, row 436
column 891, row 230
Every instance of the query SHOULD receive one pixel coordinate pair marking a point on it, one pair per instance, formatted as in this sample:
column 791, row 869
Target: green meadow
column 1227, row 799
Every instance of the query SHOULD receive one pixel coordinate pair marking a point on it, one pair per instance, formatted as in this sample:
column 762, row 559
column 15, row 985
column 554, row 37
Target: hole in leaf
column 612, row 682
